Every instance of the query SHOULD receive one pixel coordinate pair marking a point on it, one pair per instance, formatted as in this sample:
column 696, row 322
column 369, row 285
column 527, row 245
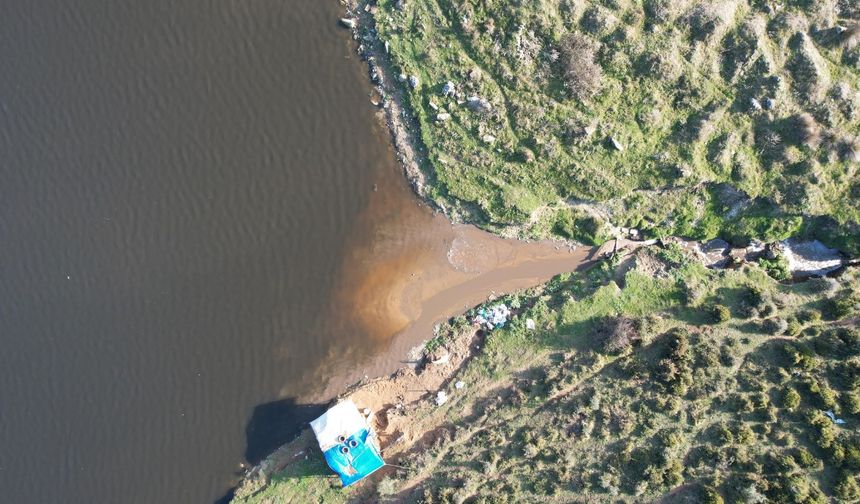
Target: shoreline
column 400, row 124
column 408, row 148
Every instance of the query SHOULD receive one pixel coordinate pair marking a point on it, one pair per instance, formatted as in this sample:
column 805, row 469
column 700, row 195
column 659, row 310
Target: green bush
column 805, row 458
column 840, row 307
column 794, row 328
column 720, row 313
column 776, row 268
column 709, row 495
column 811, row 316
column 851, row 401
column 774, row 326
column 722, row 434
column 790, row 399
column 846, row 487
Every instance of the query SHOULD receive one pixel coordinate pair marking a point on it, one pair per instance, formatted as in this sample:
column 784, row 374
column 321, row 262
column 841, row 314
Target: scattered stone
column 530, row 324
column 769, row 103
column 401, row 78
column 433, row 105
column 489, row 139
column 615, row 144
column 459, row 385
column 448, row 89
column 755, row 104
column 443, row 116
column 442, row 360
column 478, row 104
column 413, row 81
column 441, row 398
column 347, row 23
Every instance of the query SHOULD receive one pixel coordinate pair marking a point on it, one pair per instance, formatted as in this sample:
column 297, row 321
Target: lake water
column 201, row 220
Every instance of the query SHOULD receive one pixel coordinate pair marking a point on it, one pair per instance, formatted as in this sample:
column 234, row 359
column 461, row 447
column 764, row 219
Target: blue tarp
column 359, row 462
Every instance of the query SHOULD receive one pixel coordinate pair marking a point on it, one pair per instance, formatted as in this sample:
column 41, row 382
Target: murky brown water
column 190, row 237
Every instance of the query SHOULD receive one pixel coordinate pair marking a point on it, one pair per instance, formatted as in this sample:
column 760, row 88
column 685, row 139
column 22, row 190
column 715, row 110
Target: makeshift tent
column 348, row 444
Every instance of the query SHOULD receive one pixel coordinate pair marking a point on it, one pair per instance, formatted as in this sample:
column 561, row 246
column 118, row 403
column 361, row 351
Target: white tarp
column 343, row 419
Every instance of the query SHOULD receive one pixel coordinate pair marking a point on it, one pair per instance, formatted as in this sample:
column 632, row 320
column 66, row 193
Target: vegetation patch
column 736, row 119
column 711, row 386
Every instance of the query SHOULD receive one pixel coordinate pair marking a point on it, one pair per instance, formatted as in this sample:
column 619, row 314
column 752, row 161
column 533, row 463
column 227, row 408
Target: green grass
column 307, row 481
column 679, row 106
column 693, row 406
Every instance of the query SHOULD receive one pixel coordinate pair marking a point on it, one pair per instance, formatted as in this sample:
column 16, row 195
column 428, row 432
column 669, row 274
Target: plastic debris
column 441, row 398
column 459, row 385
column 530, row 324
column 832, row 416
column 494, row 317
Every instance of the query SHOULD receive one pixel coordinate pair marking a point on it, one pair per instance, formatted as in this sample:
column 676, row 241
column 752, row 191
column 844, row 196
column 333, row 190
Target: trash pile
column 493, row 317
column 832, row 417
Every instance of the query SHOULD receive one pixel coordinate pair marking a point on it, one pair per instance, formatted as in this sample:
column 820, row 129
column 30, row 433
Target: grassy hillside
column 735, row 118
column 652, row 378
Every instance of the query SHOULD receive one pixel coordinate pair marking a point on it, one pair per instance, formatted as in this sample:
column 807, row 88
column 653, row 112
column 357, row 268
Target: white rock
column 441, row 398
column 459, row 385
column 443, row 116
column 530, row 324
column 347, row 23
column 413, row 81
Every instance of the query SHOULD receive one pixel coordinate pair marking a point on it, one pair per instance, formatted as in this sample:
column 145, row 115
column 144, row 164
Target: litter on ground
column 832, row 416
column 493, row 317
column 441, row 398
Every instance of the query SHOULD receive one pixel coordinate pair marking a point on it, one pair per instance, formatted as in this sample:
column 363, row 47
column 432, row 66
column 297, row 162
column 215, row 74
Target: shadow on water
column 271, row 426
column 276, row 423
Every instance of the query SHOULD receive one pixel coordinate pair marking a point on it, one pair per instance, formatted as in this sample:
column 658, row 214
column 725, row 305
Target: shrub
column 794, row 328
column 846, row 487
column 774, row 326
column 805, row 458
column 582, row 75
column 806, row 130
column 822, row 285
column 776, row 268
column 722, row 434
column 720, row 313
column 839, row 308
column 810, row 316
column 709, row 495
column 704, row 21
column 617, row 334
column 790, row 399
column 745, row 434
column 841, row 342
column 755, row 297
column 851, row 400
